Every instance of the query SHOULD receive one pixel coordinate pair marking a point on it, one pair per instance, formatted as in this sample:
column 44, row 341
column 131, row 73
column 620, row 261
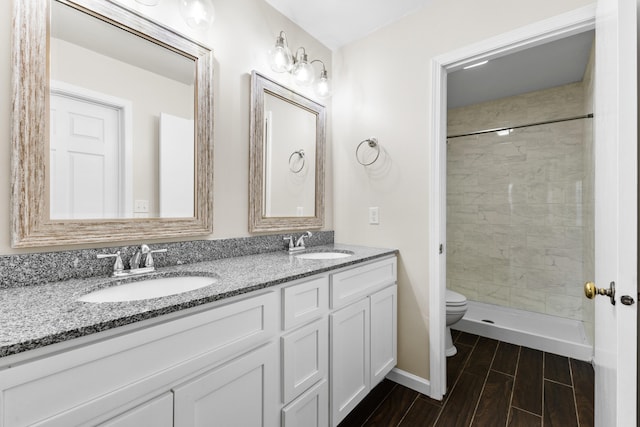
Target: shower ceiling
column 552, row 64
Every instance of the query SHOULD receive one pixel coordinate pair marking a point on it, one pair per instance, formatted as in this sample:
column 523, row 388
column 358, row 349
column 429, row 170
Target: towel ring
column 300, row 153
column 373, row 143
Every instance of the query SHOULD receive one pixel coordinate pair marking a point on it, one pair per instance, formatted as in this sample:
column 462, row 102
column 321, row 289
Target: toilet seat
column 455, row 299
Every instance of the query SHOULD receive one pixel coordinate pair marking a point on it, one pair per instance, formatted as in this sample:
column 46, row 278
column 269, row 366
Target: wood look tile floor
column 491, row 383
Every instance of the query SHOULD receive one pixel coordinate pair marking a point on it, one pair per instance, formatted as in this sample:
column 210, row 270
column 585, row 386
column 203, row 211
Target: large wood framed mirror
column 286, row 178
column 112, row 126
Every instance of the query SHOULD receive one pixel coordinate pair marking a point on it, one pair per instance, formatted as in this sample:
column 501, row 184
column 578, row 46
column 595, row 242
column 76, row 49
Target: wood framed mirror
column 286, row 176
column 142, row 166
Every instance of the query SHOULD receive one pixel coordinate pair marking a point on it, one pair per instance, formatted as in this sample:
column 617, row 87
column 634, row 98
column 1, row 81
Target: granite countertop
column 36, row 316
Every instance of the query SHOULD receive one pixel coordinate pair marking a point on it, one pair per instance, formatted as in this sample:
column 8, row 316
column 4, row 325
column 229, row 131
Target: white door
column 616, row 212
column 177, row 160
column 84, row 159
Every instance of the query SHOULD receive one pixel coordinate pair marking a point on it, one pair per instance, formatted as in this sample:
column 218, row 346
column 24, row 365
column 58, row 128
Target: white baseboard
column 409, row 380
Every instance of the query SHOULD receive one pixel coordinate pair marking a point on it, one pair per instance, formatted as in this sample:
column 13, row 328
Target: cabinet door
column 157, row 412
column 239, row 393
column 383, row 333
column 350, row 367
column 305, row 354
column 309, row 410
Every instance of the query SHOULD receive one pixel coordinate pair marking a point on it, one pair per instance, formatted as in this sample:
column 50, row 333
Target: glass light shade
column 280, row 58
column 303, row 72
column 323, row 85
column 198, row 14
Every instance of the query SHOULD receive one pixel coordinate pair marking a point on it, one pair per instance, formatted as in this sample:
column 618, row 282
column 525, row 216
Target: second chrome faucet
column 299, row 243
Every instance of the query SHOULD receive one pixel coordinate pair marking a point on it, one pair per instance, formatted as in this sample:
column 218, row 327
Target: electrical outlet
column 374, row 216
column 141, row 206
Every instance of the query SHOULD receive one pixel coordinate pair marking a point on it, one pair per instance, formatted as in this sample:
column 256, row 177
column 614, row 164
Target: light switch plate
column 374, row 215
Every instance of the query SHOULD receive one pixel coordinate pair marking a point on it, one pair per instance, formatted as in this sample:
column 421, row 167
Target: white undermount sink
column 149, row 288
column 324, row 255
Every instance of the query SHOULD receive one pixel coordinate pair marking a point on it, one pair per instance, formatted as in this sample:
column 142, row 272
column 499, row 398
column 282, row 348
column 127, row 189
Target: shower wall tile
column 455, row 198
column 480, row 273
column 520, row 206
column 462, row 214
column 562, row 101
column 494, row 294
column 530, row 300
column 467, row 288
column 494, row 214
column 564, row 306
column 546, row 192
column 575, row 288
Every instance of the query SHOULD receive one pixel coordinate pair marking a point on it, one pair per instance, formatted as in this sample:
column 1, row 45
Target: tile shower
column 520, row 203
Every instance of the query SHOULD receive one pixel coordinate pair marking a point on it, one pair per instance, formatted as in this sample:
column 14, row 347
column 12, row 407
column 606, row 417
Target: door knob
column 590, row 291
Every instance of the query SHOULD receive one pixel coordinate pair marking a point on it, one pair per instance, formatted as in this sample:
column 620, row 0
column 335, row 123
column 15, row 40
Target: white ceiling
column 338, row 22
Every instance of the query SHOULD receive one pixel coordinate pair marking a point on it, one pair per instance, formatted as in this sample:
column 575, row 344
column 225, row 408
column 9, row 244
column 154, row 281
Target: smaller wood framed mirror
column 286, row 176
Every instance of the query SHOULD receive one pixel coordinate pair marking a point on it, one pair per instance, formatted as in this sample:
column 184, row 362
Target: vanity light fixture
column 281, row 60
column 477, row 64
column 323, row 85
column 198, row 14
column 302, row 71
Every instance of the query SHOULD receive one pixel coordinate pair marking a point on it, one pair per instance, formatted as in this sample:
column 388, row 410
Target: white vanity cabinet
column 363, row 333
column 300, row 354
column 135, row 374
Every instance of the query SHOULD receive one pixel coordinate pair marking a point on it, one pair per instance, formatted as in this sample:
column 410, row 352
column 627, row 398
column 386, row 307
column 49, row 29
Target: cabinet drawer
column 304, row 302
column 100, row 377
column 305, row 354
column 350, row 285
column 309, row 410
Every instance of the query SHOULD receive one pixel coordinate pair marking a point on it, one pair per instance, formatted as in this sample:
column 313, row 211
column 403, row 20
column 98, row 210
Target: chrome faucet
column 299, row 243
column 144, row 253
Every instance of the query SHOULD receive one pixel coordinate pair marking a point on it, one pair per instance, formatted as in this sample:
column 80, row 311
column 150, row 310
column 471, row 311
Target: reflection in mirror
column 287, row 159
column 112, row 131
column 122, row 118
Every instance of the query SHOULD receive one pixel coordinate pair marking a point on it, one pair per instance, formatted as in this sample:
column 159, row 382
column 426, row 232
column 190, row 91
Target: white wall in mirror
column 290, row 159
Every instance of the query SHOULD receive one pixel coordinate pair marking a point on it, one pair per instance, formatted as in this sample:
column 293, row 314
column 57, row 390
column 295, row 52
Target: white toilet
column 456, row 308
